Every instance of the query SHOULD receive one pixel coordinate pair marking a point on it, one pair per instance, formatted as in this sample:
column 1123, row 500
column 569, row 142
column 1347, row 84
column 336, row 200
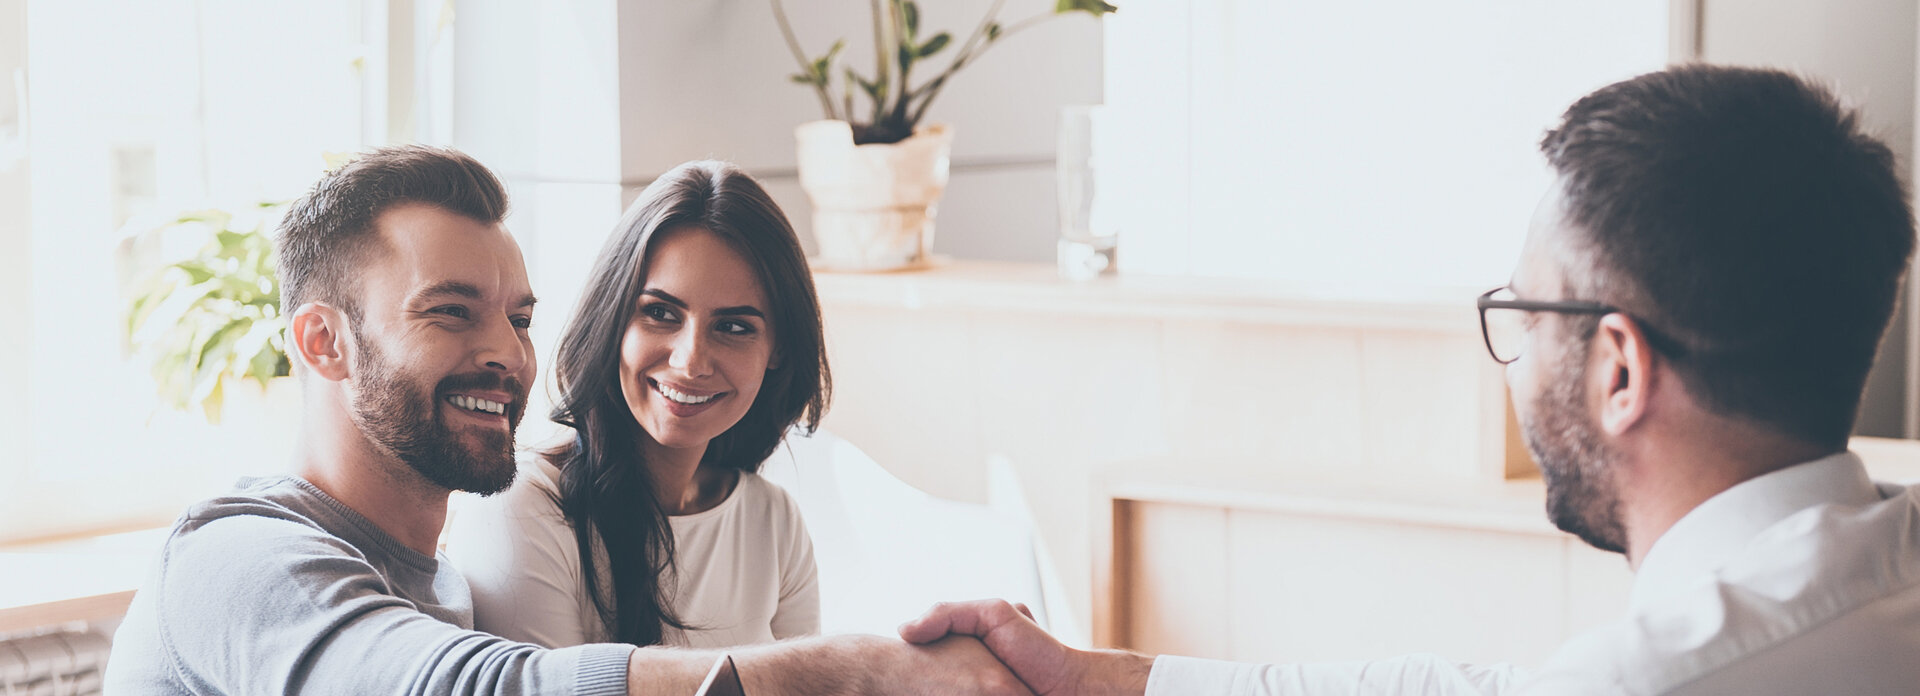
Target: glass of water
column 1087, row 235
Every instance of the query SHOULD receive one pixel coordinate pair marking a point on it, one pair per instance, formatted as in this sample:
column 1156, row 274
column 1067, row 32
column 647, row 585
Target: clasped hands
column 1043, row 666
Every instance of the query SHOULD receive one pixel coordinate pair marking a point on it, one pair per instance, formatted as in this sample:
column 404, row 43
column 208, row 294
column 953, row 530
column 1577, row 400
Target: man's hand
column 948, row 665
column 862, row 665
column 1044, row 664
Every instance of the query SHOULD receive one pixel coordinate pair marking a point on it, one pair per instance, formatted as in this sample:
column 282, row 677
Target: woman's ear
column 319, row 337
column 773, row 361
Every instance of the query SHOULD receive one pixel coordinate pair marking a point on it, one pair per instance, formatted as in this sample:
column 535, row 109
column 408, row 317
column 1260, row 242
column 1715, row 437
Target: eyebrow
column 742, row 310
column 466, row 290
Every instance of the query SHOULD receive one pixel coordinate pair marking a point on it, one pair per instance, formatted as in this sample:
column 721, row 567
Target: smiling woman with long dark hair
column 697, row 344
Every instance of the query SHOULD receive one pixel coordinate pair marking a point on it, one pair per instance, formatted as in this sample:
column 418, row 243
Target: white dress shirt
column 1802, row 581
column 744, row 570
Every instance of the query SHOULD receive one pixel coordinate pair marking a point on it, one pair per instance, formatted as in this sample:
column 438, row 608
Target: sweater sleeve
column 522, row 562
column 259, row 605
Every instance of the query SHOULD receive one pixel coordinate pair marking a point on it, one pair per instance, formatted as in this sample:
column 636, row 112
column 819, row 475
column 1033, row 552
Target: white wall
column 709, row 79
column 1350, row 145
column 536, row 98
column 1865, row 50
column 579, row 104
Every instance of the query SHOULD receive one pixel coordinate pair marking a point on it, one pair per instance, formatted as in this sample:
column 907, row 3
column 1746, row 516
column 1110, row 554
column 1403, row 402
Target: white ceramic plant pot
column 873, row 205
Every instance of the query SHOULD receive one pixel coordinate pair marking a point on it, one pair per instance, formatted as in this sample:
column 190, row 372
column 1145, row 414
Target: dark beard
column 1583, row 499
column 405, row 422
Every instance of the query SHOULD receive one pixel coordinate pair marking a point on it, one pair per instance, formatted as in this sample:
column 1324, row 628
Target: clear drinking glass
column 1087, row 236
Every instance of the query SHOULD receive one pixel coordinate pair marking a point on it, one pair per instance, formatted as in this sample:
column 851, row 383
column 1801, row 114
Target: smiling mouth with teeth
column 681, row 397
column 475, row 404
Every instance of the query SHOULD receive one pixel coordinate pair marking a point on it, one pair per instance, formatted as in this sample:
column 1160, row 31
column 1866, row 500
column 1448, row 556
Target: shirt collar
column 1711, row 534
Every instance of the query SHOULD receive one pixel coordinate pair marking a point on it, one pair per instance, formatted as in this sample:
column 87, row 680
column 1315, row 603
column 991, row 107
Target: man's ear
column 320, row 338
column 1622, row 368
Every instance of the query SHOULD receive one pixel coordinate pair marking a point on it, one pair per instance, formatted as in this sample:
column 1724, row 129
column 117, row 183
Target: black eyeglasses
column 1503, row 319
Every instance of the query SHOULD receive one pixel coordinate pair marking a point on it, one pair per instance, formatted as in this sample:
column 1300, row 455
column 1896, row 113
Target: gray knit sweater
column 280, row 589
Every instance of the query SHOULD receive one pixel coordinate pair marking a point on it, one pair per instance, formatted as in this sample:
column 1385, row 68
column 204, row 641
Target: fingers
column 976, row 618
column 1024, row 610
column 996, row 678
column 1009, row 632
column 959, row 664
column 931, row 626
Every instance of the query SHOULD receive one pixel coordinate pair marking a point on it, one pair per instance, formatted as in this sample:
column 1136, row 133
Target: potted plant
column 875, row 174
column 212, row 319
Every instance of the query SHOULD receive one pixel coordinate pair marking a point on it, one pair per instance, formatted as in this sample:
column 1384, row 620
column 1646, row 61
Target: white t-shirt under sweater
column 745, row 568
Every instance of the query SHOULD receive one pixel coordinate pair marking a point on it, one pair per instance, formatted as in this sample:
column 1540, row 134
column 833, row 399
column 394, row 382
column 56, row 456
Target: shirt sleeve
column 520, row 557
column 798, row 614
column 1412, row 675
column 258, row 605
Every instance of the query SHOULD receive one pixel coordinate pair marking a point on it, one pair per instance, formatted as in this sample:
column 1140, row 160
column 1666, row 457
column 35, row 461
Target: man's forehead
column 432, row 251
column 1542, row 254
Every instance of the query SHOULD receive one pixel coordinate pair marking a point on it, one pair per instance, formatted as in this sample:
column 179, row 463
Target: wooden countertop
column 1512, row 505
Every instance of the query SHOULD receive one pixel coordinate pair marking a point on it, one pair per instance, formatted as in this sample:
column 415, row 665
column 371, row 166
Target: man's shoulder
column 261, row 519
column 280, row 497
column 239, row 567
column 1793, row 593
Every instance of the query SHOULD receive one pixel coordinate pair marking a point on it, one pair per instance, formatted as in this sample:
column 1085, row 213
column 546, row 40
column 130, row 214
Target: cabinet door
column 1267, row 586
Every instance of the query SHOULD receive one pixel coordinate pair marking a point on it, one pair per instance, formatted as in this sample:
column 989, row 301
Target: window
column 134, row 112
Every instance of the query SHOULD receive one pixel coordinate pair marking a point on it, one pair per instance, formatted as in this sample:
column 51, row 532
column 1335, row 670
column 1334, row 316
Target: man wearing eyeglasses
column 1686, row 338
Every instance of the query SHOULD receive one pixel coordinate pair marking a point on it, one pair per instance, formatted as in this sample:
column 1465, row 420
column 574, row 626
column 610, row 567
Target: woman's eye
column 456, row 311
column 658, row 312
column 523, row 322
column 736, row 328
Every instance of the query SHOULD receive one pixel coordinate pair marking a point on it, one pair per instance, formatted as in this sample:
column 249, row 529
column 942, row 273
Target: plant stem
column 975, row 42
column 899, row 111
column 847, row 85
column 882, row 75
column 979, row 35
column 1023, row 24
column 793, row 44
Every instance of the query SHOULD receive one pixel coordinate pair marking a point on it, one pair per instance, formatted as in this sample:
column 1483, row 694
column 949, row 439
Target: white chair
column 888, row 551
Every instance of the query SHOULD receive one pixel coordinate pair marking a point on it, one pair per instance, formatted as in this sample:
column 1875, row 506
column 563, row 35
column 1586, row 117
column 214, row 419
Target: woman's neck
column 682, row 486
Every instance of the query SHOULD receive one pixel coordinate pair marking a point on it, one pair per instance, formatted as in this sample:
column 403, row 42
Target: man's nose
column 501, row 348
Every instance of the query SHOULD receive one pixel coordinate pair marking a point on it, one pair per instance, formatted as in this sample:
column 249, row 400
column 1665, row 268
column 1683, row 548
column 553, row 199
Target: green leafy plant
column 897, row 103
column 212, row 318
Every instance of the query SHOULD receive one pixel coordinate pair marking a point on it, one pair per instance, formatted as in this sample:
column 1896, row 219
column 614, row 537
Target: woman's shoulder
column 499, row 529
column 762, row 492
column 535, row 490
column 767, row 503
column 535, row 471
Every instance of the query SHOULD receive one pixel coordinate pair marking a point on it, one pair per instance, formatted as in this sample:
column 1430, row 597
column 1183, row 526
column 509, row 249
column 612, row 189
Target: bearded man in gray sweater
column 408, row 308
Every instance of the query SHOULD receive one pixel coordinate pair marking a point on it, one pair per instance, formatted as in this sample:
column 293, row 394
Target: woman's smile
column 683, row 401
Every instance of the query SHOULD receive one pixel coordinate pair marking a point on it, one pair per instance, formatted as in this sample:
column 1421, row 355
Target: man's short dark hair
column 1747, row 220
column 328, row 234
